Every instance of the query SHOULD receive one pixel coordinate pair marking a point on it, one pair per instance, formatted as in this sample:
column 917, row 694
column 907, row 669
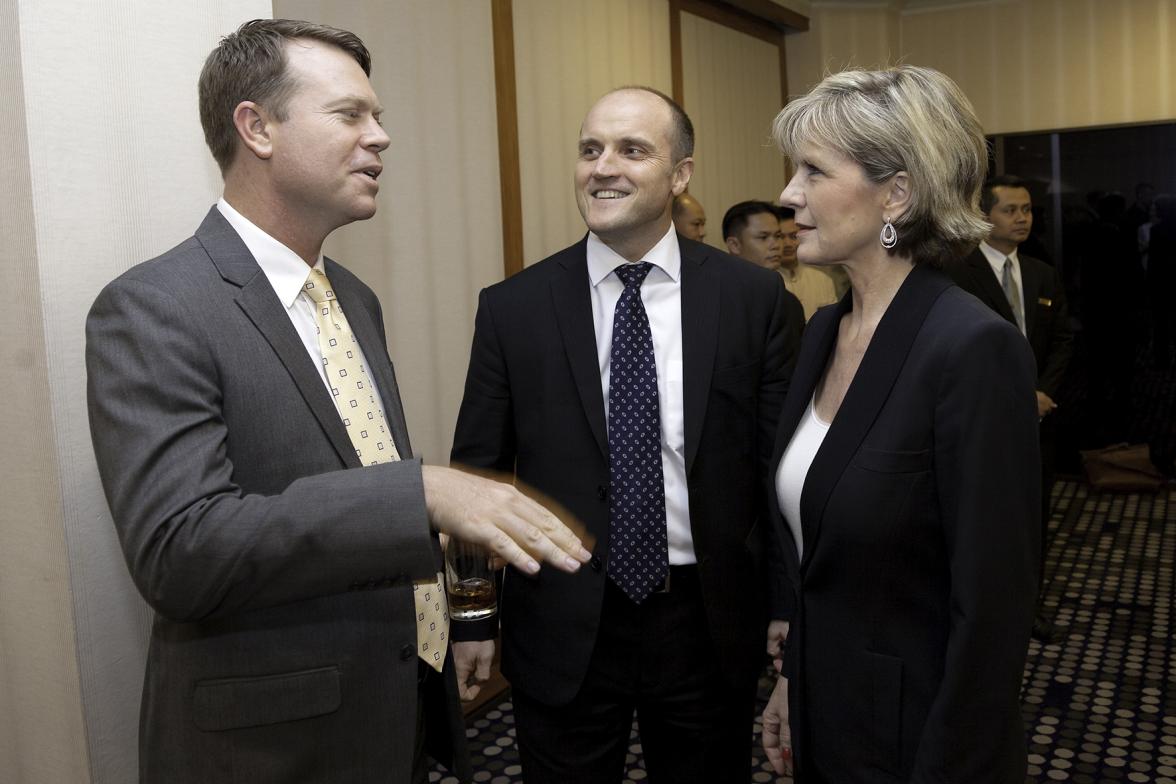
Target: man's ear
column 898, row 196
column 734, row 246
column 683, row 171
column 252, row 124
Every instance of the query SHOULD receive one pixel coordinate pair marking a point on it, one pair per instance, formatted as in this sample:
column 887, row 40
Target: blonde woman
column 906, row 456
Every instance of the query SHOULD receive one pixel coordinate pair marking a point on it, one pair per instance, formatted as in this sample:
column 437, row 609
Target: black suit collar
column 572, row 300
column 867, row 393
column 987, row 286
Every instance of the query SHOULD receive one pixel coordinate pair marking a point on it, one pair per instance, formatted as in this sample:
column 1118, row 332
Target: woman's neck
column 875, row 281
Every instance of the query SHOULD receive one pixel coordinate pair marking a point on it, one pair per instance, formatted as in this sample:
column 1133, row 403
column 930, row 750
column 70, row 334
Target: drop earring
column 889, row 236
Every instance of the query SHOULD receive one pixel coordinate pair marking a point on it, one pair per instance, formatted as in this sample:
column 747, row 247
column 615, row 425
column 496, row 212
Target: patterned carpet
column 1099, row 704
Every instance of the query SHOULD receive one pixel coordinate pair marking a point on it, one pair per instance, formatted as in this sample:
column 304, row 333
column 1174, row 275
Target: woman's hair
column 908, row 119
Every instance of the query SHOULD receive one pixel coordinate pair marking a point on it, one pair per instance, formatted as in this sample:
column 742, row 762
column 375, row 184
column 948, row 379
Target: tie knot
column 1008, row 265
column 632, row 275
column 318, row 287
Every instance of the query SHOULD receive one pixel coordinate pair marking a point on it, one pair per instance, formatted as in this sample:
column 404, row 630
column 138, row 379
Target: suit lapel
column 988, row 285
column 1030, row 290
column 257, row 298
column 819, row 339
column 368, row 333
column 573, row 314
column 867, row 393
column 700, row 336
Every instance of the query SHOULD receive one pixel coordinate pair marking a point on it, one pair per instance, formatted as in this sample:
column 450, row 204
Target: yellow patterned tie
column 356, row 401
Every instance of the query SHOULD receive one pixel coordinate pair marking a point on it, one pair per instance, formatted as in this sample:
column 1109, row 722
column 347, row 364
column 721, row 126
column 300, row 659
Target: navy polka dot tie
column 637, row 558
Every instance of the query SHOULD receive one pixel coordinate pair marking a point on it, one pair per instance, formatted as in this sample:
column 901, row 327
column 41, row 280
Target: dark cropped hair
column 988, row 198
column 250, row 65
column 736, row 219
column 785, row 213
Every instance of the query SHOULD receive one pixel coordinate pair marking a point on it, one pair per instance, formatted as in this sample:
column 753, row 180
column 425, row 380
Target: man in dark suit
column 635, row 378
column 253, row 449
column 1029, row 293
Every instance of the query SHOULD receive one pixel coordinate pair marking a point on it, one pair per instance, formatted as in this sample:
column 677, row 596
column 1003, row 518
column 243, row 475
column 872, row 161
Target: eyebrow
column 355, row 100
column 626, row 141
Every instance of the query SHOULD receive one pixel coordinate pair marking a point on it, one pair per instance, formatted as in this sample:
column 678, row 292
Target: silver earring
column 889, row 236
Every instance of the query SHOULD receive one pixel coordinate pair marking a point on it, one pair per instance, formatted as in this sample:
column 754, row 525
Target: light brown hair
column 250, row 65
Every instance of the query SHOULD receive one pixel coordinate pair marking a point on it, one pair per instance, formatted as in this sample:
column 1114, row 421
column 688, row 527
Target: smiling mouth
column 609, row 194
column 372, row 174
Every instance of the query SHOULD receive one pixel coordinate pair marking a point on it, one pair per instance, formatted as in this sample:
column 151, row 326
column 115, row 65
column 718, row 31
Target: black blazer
column 533, row 407
column 916, row 590
column 1047, row 324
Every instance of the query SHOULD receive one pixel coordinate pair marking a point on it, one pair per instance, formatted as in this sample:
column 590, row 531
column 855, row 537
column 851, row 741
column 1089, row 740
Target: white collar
column 665, row 255
column 285, row 269
column 997, row 259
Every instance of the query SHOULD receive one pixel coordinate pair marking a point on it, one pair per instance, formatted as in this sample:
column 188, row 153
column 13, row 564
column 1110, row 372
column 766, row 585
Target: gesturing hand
column 500, row 518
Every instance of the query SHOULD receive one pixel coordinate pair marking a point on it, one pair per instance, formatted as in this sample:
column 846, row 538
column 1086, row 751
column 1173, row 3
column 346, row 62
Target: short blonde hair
column 908, row 119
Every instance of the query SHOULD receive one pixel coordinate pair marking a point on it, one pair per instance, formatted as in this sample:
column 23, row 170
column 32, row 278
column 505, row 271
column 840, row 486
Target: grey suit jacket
column 281, row 572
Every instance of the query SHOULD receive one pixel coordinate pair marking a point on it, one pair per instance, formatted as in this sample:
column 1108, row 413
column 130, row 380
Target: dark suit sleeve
column 1060, row 342
column 988, row 483
column 197, row 544
column 484, row 436
column 782, row 347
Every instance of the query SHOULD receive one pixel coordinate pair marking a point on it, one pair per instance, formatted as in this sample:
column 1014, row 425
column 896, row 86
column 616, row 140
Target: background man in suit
column 635, row 378
column 253, row 449
column 689, row 217
column 1029, row 293
column 765, row 234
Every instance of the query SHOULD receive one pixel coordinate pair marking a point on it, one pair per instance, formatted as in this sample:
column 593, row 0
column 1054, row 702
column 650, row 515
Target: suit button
column 407, row 652
column 595, row 563
column 602, row 492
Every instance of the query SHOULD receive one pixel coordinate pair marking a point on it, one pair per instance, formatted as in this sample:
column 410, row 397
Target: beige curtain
column 731, row 85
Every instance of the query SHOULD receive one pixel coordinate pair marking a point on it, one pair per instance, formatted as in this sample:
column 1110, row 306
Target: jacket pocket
column 897, row 462
column 886, row 709
column 233, row 703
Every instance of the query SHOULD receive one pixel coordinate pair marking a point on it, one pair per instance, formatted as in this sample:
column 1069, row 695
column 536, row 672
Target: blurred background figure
column 689, row 217
column 1028, row 293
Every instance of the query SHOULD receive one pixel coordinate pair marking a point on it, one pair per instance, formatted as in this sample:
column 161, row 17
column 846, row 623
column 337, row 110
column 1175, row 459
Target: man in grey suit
column 285, row 538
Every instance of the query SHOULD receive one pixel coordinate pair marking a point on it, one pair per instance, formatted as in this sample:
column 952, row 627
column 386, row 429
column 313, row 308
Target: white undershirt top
column 287, row 273
column 661, row 293
column 794, row 467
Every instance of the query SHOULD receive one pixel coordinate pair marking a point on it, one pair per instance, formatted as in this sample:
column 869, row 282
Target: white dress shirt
column 661, row 293
column 794, row 467
column 287, row 273
column 996, row 260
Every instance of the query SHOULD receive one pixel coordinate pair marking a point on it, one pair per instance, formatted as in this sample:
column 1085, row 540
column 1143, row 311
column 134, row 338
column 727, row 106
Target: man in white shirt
column 634, row 378
column 253, row 449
